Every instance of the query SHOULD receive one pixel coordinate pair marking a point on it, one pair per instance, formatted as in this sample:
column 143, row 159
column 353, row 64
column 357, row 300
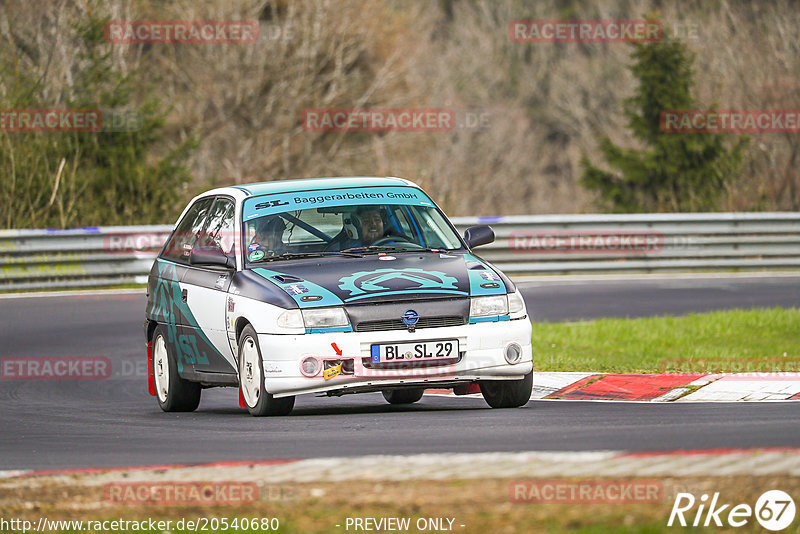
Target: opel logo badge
column 410, row 319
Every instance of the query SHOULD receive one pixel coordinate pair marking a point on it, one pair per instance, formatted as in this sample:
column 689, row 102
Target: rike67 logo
column 774, row 510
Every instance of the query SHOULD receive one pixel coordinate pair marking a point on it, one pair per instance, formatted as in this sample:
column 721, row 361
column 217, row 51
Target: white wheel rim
column 250, row 372
column 161, row 368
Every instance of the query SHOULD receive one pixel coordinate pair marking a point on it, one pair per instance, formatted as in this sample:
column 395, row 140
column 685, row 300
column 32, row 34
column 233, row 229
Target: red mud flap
column 241, row 398
column 151, row 383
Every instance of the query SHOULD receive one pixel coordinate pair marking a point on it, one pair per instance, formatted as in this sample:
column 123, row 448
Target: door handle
column 184, row 295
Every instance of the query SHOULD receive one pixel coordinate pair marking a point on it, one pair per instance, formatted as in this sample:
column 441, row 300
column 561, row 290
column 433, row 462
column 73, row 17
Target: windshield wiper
column 390, row 248
column 294, row 255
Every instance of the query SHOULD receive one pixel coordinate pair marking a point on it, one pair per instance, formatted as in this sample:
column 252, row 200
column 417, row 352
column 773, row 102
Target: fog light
column 310, row 366
column 513, row 353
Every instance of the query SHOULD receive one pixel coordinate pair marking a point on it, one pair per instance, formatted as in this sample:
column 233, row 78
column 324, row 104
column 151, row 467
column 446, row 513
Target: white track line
column 81, row 293
column 766, row 387
column 651, row 276
column 748, row 387
column 12, row 473
column 518, row 465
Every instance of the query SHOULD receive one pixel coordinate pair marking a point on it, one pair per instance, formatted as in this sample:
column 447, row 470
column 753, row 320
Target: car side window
column 187, row 232
column 219, row 230
column 431, row 224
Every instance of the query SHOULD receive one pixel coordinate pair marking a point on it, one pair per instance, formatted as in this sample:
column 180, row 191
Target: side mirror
column 476, row 236
column 211, row 256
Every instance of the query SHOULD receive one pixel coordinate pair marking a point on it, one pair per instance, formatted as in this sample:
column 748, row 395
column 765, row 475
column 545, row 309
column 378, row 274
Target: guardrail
column 546, row 244
column 80, row 257
column 567, row 244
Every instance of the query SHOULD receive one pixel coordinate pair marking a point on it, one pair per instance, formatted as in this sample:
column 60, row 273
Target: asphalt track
column 113, row 422
column 575, row 298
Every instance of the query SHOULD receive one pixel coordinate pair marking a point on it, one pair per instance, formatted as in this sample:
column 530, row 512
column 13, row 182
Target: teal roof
column 315, row 184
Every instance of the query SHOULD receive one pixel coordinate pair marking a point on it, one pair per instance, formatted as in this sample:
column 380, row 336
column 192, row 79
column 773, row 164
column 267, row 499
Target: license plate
column 407, row 352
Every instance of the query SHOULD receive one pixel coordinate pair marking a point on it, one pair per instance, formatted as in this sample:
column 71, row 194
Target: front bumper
column 481, row 346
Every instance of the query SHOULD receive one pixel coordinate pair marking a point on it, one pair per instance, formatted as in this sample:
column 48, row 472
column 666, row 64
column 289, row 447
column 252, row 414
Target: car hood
column 335, row 281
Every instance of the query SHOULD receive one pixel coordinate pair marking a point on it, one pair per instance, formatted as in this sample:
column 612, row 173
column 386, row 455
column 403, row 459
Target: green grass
column 760, row 340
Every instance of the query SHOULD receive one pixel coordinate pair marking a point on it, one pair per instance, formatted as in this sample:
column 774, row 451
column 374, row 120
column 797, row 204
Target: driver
column 372, row 227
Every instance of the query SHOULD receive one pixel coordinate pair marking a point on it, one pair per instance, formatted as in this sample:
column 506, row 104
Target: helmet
column 350, row 227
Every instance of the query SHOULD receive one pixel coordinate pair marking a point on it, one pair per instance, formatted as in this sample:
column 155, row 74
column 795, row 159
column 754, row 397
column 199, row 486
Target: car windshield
column 351, row 221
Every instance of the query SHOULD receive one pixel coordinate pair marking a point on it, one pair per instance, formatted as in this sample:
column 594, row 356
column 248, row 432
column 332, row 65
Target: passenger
column 269, row 236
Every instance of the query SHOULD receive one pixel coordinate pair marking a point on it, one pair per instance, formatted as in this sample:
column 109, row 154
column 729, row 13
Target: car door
column 204, row 291
column 165, row 302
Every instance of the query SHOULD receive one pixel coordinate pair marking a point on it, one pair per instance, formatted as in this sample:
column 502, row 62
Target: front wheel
column 174, row 394
column 507, row 393
column 402, row 396
column 251, row 379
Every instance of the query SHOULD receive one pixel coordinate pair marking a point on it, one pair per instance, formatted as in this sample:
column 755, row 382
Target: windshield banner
column 353, row 196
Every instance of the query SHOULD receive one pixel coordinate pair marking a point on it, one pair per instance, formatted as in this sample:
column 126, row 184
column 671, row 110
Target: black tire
column 258, row 401
column 173, row 393
column 403, row 396
column 507, row 393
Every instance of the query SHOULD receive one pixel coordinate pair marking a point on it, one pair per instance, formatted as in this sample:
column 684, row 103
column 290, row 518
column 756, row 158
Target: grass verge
column 481, row 506
column 759, row 340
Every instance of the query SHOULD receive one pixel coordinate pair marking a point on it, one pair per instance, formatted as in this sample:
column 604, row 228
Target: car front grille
column 397, row 324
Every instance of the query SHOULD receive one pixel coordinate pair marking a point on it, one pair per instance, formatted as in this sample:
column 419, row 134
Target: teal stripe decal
column 167, row 301
column 491, row 319
column 328, row 330
column 483, row 281
column 260, row 206
column 407, row 292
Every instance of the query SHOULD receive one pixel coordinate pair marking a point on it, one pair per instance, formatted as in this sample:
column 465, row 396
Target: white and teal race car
column 330, row 286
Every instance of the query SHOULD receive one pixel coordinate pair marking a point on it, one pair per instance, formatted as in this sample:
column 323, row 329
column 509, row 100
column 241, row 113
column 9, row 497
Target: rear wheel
column 174, row 394
column 251, row 379
column 507, row 393
column 402, row 396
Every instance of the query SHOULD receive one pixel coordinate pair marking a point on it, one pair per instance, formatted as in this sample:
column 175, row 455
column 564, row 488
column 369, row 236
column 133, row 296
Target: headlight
column 488, row 306
column 515, row 302
column 290, row 319
column 325, row 317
